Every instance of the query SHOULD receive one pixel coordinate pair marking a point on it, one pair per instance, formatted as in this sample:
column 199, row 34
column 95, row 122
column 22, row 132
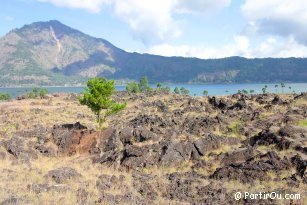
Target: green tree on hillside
column 159, row 85
column 282, row 85
column 176, row 90
column 205, row 92
column 244, row 91
column 133, row 87
column 184, row 91
column 167, row 89
column 144, row 84
column 43, row 92
column 97, row 96
column 37, row 93
column 264, row 89
column 276, row 86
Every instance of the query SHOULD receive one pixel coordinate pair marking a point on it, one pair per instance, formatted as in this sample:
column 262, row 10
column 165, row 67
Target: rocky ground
column 162, row 149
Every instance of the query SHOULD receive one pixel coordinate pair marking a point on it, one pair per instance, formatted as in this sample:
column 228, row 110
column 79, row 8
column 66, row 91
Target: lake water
column 195, row 89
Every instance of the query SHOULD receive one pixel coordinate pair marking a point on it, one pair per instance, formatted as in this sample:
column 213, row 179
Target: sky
column 190, row 28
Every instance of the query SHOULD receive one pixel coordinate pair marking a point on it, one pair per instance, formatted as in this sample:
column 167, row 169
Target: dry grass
column 301, row 101
column 17, row 178
column 24, row 114
column 161, row 171
column 234, row 128
column 302, row 123
column 18, row 116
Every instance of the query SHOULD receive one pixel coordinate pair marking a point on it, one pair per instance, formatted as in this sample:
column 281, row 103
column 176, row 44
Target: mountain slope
column 46, row 51
column 50, row 53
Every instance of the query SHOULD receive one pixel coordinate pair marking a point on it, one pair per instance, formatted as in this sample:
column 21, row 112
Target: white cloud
column 240, row 46
column 275, row 47
column 150, row 21
column 281, row 17
column 154, row 22
column 200, row 6
column 94, row 6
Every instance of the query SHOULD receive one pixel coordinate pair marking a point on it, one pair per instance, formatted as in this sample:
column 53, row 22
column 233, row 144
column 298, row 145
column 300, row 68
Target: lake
column 195, row 89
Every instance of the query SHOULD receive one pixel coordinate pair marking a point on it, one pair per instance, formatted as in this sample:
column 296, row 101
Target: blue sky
column 199, row 28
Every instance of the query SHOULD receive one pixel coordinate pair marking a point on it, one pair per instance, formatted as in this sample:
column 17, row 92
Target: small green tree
column 264, row 89
column 184, row 91
column 276, row 86
column 144, row 84
column 205, row 92
column 4, row 96
column 43, row 92
column 244, row 91
column 133, row 87
column 34, row 93
column 159, row 85
column 167, row 89
column 37, row 92
column 97, row 96
column 251, row 91
column 282, row 85
column 176, row 90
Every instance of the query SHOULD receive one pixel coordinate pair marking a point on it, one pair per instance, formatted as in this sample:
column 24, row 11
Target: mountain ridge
column 51, row 53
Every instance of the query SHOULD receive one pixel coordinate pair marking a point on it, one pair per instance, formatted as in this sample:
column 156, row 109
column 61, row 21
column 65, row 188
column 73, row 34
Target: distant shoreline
column 153, row 84
column 194, row 89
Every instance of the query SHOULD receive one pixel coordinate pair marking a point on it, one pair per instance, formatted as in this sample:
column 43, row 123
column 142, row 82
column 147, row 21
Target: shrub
column 184, row 91
column 160, row 87
column 37, row 93
column 133, row 87
column 4, row 96
column 302, row 123
column 205, row 92
column 244, row 91
column 176, row 90
column 144, row 84
column 264, row 89
column 234, row 127
column 43, row 92
column 167, row 89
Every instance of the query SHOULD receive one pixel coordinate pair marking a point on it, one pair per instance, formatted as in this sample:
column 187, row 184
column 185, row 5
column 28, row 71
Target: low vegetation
column 234, row 127
column 205, row 92
column 4, row 96
column 302, row 123
column 37, row 93
column 142, row 86
column 176, row 90
column 184, row 91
